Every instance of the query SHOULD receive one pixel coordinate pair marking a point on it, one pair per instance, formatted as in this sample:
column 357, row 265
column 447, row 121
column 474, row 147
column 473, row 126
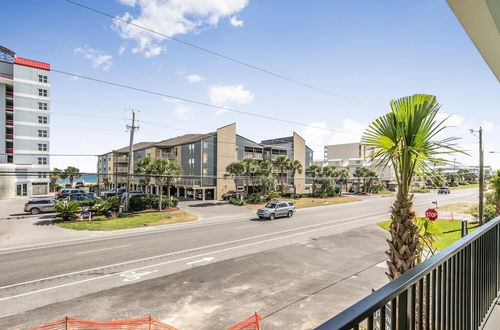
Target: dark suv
column 63, row 193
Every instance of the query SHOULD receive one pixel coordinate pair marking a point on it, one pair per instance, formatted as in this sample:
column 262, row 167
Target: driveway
column 209, row 211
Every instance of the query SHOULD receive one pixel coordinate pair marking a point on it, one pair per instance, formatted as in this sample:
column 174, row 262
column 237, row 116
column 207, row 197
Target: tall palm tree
column 313, row 171
column 55, row 175
column 144, row 166
column 296, row 167
column 404, row 138
column 495, row 184
column 72, row 173
column 343, row 174
column 250, row 169
column 282, row 164
column 266, row 178
column 236, row 170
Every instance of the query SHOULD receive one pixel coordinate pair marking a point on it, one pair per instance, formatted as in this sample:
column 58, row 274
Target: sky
column 364, row 53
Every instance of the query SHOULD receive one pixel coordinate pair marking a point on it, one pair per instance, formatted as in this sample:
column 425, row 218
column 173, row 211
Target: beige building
column 203, row 159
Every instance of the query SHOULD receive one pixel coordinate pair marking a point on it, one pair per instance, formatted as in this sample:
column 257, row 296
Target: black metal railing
column 454, row 289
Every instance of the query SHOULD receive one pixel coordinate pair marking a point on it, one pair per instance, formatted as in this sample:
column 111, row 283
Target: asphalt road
column 38, row 276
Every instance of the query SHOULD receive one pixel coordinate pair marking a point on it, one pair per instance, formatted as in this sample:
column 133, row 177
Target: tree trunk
column 403, row 245
column 161, row 196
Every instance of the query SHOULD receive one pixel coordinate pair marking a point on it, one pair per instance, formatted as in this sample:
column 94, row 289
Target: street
column 211, row 273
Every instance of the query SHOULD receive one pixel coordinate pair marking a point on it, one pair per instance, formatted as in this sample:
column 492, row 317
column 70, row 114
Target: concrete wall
column 299, row 153
column 226, row 154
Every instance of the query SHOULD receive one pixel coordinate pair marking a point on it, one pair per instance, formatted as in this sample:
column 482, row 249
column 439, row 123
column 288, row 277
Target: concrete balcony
column 9, row 107
column 254, row 155
column 9, row 122
column 168, row 155
column 9, row 150
column 121, row 170
column 122, row 159
column 9, row 136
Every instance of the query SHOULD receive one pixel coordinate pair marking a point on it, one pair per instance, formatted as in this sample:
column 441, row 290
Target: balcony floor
column 493, row 321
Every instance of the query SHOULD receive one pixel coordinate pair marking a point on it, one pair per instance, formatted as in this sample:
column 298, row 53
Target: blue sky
column 368, row 51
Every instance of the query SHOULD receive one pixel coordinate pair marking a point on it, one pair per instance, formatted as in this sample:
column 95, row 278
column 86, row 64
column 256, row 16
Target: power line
column 225, row 57
column 192, row 101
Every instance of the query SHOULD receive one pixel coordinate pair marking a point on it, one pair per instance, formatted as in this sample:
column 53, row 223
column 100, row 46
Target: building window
column 42, row 175
column 42, row 120
column 42, row 160
column 42, row 133
column 42, row 106
column 42, row 78
column 42, row 92
column 191, row 162
column 42, row 147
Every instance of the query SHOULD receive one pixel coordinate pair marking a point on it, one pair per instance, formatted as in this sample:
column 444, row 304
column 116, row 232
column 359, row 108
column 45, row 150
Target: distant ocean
column 87, row 178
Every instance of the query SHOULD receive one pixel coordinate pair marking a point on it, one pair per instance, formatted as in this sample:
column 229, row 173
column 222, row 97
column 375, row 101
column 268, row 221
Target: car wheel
column 290, row 214
column 35, row 210
column 261, row 217
column 272, row 216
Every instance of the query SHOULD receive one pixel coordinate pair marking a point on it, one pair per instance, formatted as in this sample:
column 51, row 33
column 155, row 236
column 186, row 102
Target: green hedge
column 146, row 202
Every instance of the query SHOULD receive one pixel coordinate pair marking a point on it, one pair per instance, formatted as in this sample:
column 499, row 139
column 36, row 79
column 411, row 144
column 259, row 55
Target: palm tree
column 236, row 170
column 55, row 175
column 296, row 167
column 250, row 169
column 267, row 181
column 313, row 171
column 282, row 164
column 72, row 173
column 495, row 184
column 343, row 174
column 143, row 166
column 404, row 138
column 163, row 169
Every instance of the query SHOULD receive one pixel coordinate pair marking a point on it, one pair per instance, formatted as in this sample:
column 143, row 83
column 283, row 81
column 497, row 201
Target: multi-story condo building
column 24, row 125
column 351, row 156
column 203, row 159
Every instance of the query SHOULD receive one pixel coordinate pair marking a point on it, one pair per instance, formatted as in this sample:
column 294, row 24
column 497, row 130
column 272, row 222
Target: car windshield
column 271, row 205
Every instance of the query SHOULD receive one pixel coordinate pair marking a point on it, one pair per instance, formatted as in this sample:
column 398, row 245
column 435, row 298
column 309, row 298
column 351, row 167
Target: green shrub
column 238, row 202
column 147, row 202
column 490, row 198
column 88, row 202
column 255, row 198
column 107, row 206
column 377, row 188
column 272, row 195
column 67, row 210
column 488, row 214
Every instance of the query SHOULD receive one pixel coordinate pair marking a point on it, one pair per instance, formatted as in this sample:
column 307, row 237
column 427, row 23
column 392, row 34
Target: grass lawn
column 473, row 185
column 450, row 228
column 130, row 221
column 312, row 202
column 457, row 208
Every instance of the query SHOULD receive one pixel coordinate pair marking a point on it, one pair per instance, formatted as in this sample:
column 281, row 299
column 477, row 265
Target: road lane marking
column 177, row 260
column 155, row 230
column 103, row 249
column 244, row 227
column 208, row 259
column 131, row 275
column 189, row 250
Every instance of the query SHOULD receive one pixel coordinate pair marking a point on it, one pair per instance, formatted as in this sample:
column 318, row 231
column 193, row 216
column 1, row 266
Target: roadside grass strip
column 129, row 221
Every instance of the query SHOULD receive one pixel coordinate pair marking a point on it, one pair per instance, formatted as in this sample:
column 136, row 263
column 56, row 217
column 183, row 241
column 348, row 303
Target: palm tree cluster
column 263, row 175
column 72, row 173
column 326, row 179
column 406, row 139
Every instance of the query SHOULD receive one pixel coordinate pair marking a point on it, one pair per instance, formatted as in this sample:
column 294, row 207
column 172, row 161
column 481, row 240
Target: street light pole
column 481, row 175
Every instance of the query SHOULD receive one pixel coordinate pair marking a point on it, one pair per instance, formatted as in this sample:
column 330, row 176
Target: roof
column 137, row 146
column 183, row 139
column 31, row 63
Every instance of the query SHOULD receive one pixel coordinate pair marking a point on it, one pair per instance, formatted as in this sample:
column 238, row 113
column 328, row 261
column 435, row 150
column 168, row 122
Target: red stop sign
column 431, row 214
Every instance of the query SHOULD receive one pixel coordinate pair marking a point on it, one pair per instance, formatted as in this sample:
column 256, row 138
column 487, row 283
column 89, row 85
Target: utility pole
column 115, row 168
column 481, row 175
column 132, row 128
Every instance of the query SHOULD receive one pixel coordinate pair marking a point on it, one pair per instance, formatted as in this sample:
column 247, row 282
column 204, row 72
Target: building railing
column 121, row 170
column 9, row 150
column 9, row 94
column 6, row 75
column 9, row 122
column 122, row 159
column 454, row 289
column 254, row 155
column 9, row 136
column 167, row 155
column 9, row 107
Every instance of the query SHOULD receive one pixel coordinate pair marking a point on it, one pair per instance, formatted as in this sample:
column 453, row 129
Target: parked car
column 79, row 184
column 67, row 185
column 232, row 194
column 113, row 193
column 63, row 193
column 276, row 209
column 443, row 190
column 77, row 197
column 37, row 206
column 90, row 195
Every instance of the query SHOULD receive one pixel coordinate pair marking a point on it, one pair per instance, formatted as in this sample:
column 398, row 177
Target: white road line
column 186, row 251
column 177, row 260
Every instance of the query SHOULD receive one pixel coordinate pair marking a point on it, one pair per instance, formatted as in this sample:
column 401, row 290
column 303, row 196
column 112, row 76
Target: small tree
column 267, row 180
column 313, row 171
column 143, row 166
column 495, row 185
column 295, row 167
column 72, row 173
column 236, row 170
column 282, row 164
column 67, row 210
column 250, row 169
column 55, row 175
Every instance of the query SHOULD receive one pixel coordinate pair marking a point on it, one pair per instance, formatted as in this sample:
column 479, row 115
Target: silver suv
column 276, row 209
column 37, row 206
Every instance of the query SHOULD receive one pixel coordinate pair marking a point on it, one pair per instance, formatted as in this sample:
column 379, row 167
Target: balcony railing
column 121, row 170
column 189, row 182
column 122, row 159
column 9, row 94
column 9, row 136
column 6, row 75
column 9, row 122
column 9, row 150
column 454, row 289
column 9, row 107
column 254, row 155
column 168, row 155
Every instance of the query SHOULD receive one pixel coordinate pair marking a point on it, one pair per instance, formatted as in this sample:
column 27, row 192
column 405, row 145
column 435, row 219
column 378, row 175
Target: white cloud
column 316, row 135
column 236, row 22
column 172, row 17
column 130, row 3
column 194, row 78
column 121, row 50
column 350, row 131
column 97, row 58
column 182, row 111
column 230, row 95
column 453, row 120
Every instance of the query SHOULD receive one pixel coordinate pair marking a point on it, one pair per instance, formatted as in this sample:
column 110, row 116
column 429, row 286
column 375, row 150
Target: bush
column 377, row 188
column 107, row 206
column 67, row 210
column 146, row 202
column 238, row 202
column 272, row 195
column 88, row 202
column 255, row 198
column 488, row 214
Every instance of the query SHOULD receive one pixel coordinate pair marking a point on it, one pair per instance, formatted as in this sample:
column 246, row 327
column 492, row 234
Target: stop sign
column 431, row 214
